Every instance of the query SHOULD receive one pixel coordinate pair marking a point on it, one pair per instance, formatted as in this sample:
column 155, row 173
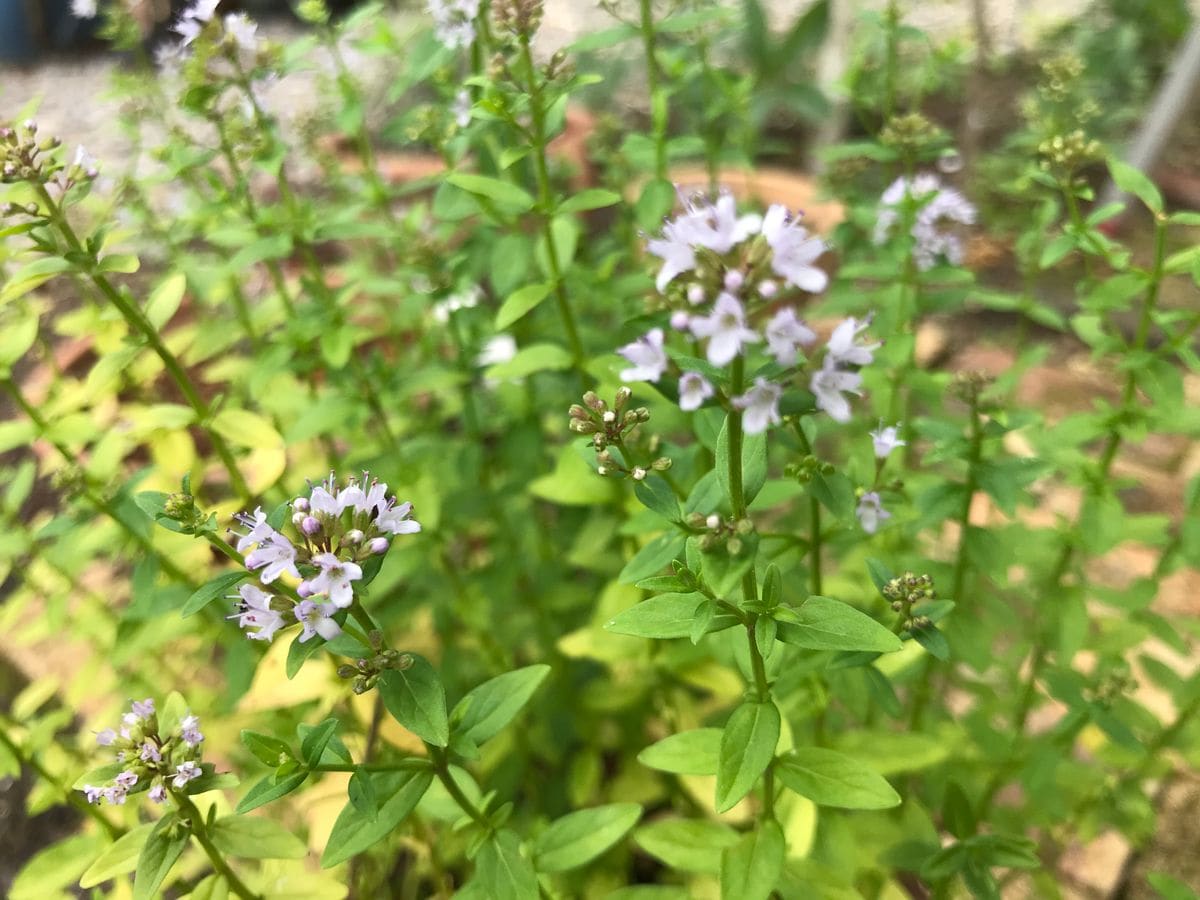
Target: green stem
column 658, row 122
column 814, row 521
column 200, row 832
column 138, row 322
column 545, row 201
column 441, row 768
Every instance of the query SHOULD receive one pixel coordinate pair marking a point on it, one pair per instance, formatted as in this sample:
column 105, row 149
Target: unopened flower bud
column 695, row 520
column 345, row 671
column 744, row 526
column 354, row 536
column 695, row 294
column 298, row 518
column 378, row 545
column 300, row 504
column 578, row 412
column 592, row 401
column 303, row 589
column 601, row 470
column 609, row 417
column 310, row 526
column 713, row 522
column 734, row 279
column 680, row 320
column 768, row 289
column 623, row 395
column 734, row 546
column 638, row 473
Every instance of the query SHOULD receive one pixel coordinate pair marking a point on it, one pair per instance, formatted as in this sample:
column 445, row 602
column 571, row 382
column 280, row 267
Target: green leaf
column 747, row 748
column 251, row 837
column 266, row 749
column 158, row 855
column 751, row 868
column 829, row 778
column 592, row 198
column 932, row 639
column 246, row 429
column 270, row 789
column 31, row 276
column 657, row 495
column 210, row 591
column 655, row 202
column 579, row 837
column 654, row 557
column 695, row 752
column 958, row 813
column 119, row 858
column 1132, row 181
column 17, row 337
column 531, row 360
column 521, row 302
column 754, row 463
column 486, row 709
column 164, row 300
column 893, row 752
column 354, row 831
column 502, row 192
column 665, row 616
column 52, row 870
column 690, row 845
column 828, row 624
column 416, row 699
column 123, row 263
column 508, row 874
column 312, row 747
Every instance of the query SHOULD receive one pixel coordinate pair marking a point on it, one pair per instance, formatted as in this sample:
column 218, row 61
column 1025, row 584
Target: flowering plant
column 805, row 600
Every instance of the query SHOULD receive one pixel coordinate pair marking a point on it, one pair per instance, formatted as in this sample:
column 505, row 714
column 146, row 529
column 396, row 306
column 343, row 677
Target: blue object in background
column 30, row 27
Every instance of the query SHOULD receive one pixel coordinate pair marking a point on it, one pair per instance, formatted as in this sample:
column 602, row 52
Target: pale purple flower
column 143, row 709
column 187, row 771
column 937, row 206
column 734, row 279
column 378, row 545
column 255, row 615
column 717, row 226
column 126, row 779
column 675, row 248
column 275, row 556
column 316, row 618
column 694, row 389
column 158, row 793
column 680, row 321
column 725, row 329
column 150, row 753
column 695, row 294
column 86, row 161
column 647, row 355
column 190, row 731
column 794, row 250
column 188, row 30
column 760, row 406
column 334, row 579
column 394, row 519
column 106, row 738
column 786, row 334
column 886, row 440
column 844, row 347
column 829, row 384
column 259, row 531
column 115, row 794
column 870, row 512
column 93, row 793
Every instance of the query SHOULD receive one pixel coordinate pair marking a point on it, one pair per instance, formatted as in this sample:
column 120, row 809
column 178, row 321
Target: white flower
column 255, row 612
column 886, row 440
column 452, row 21
column 243, row 30
column 259, row 531
column 760, row 406
column 694, row 389
column 647, row 355
column 86, row 162
column 115, row 795
column 468, row 299
column 334, row 579
column 871, row 513
column 462, row 108
column 83, row 9
column 187, row 771
column 499, row 349
column 275, row 556
column 316, row 618
column 829, row 384
column 188, row 30
column 726, row 330
column 937, row 205
column 395, row 519
column 201, row 10
column 794, row 250
column 785, row 334
column 675, row 249
column 843, row 347
column 717, row 226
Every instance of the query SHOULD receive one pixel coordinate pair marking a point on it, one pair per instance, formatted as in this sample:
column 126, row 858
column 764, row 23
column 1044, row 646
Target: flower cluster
column 337, row 529
column 236, row 33
column 614, row 427
column 724, row 275
column 933, row 207
column 907, row 591
column 454, row 21
column 149, row 760
column 26, row 157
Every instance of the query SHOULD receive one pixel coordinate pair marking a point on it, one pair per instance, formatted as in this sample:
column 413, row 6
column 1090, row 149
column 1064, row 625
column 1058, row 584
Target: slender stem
column 441, row 768
column 545, row 200
column 71, row 797
column 814, row 522
column 200, row 832
column 657, row 108
column 138, row 321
